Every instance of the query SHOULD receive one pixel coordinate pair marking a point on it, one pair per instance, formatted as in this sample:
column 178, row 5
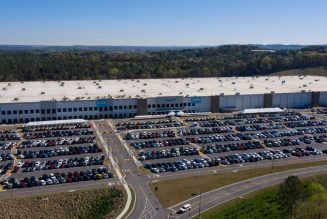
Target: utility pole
column 200, row 205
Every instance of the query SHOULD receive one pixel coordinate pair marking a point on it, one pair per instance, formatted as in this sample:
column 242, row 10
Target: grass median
column 95, row 203
column 171, row 192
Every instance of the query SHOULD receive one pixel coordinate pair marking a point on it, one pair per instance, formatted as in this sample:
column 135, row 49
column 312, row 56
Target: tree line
column 222, row 61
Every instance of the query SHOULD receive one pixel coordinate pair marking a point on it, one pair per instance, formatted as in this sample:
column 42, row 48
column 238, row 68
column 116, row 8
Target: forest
column 222, row 61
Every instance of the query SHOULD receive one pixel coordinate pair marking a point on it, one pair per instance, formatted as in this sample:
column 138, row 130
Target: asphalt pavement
column 238, row 190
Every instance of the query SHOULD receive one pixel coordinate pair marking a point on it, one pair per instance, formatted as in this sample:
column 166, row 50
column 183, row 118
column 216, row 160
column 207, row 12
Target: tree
column 315, row 207
column 291, row 191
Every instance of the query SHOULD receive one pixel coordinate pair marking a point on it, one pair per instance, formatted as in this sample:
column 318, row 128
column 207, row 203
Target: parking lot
column 184, row 143
column 44, row 155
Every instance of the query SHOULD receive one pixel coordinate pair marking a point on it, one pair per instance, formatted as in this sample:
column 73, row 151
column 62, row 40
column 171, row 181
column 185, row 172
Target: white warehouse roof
column 59, row 90
column 263, row 110
column 55, row 122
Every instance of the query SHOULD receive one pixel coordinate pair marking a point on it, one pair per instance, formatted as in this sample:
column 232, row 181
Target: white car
column 185, row 208
column 20, row 164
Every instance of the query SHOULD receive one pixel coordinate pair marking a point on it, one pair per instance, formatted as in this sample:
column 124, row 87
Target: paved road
column 237, row 190
column 147, row 205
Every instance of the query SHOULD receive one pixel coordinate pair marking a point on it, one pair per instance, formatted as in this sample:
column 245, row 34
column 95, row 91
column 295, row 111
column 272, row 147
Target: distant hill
column 45, row 48
column 88, row 48
column 281, row 46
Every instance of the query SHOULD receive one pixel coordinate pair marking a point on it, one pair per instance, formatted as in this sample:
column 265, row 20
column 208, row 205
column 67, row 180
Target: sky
column 162, row 22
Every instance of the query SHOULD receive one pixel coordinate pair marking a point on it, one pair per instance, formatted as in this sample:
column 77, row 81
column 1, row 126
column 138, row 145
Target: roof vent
column 4, row 88
column 176, row 81
column 121, row 90
column 201, row 88
column 233, row 82
column 145, row 84
column 187, row 84
column 16, row 99
column 62, row 84
column 143, row 91
column 99, row 87
column 304, row 85
column 251, row 86
column 80, row 87
column 42, row 92
column 9, row 84
column 23, row 89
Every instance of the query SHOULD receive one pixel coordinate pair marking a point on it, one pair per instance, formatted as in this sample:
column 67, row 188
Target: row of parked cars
column 9, row 137
column 159, row 143
column 320, row 110
column 7, row 145
column 259, row 127
column 32, row 166
column 6, row 156
column 306, row 123
column 5, row 167
column 185, row 164
column 62, row 133
column 282, row 142
column 55, row 127
column 150, row 135
column 62, row 151
column 199, row 119
column 167, row 123
column 236, row 146
column 173, row 152
column 58, row 178
column 55, row 142
column 205, row 131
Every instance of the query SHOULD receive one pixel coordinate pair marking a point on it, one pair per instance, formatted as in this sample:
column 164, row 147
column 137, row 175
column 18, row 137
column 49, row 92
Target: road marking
column 118, row 173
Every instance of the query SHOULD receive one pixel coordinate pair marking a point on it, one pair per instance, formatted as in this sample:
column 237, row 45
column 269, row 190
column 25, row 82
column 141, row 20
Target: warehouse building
column 58, row 100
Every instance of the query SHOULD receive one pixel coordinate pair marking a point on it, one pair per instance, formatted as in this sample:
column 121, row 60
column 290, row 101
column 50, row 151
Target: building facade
column 22, row 112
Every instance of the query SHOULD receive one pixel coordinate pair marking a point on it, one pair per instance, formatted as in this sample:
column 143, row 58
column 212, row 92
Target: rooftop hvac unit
column 237, row 93
column 222, row 94
column 145, row 84
column 272, row 92
column 16, row 99
column 23, row 89
column 80, row 87
column 302, row 91
column 121, row 90
column 251, row 86
column 99, row 87
column 233, row 82
column 42, row 92
column 201, row 88
column 143, row 91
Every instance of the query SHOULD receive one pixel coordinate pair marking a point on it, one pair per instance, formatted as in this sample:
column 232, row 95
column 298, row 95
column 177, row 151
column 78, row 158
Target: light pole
column 200, row 204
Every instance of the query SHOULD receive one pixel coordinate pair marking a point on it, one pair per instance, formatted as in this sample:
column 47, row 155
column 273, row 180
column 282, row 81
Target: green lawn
column 259, row 204
column 171, row 192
